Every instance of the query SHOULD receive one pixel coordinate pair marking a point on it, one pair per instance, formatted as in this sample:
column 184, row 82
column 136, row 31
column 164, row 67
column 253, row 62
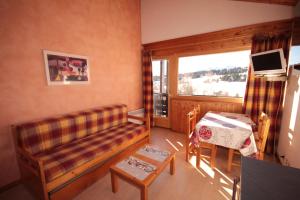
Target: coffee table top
column 144, row 165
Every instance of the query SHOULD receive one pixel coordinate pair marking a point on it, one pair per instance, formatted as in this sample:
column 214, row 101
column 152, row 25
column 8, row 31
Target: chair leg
column 187, row 153
column 230, row 157
column 261, row 156
column 198, row 157
column 234, row 189
column 213, row 156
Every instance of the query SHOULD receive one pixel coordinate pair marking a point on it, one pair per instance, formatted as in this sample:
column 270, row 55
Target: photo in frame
column 66, row 69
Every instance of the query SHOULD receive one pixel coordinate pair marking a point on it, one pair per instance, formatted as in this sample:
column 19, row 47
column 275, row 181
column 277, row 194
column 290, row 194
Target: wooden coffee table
column 142, row 167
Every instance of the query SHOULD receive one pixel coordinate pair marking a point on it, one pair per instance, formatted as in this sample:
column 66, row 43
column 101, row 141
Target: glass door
column 160, row 87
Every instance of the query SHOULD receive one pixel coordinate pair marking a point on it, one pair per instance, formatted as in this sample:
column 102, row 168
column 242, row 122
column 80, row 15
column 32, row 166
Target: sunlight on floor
column 193, row 163
column 290, row 136
column 180, row 144
column 222, row 181
column 229, row 191
column 222, row 193
column 225, row 176
column 208, row 170
column 174, row 147
column 214, row 175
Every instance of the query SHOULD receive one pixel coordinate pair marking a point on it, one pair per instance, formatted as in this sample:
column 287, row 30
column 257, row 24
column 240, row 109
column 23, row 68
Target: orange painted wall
column 106, row 31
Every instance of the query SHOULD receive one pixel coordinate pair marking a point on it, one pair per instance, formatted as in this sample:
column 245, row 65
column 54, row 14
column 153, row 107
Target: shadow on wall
column 289, row 139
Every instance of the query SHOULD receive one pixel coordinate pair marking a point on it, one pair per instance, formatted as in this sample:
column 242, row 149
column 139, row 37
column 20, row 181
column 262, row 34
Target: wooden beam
column 219, row 41
column 296, row 32
column 280, row 2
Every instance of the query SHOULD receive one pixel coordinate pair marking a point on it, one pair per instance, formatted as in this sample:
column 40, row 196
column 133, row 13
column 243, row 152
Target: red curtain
column 147, row 84
column 266, row 96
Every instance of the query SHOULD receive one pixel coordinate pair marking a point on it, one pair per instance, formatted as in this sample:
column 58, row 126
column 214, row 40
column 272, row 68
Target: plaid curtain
column 266, row 96
column 148, row 84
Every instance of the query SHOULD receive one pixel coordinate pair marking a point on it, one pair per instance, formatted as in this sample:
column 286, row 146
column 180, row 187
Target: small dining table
column 231, row 130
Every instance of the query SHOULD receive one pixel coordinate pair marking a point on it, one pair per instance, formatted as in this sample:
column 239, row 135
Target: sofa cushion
column 63, row 159
column 43, row 135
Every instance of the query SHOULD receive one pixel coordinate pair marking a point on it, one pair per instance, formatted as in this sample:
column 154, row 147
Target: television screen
column 268, row 62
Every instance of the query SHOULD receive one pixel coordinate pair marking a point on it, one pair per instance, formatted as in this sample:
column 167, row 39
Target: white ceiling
column 168, row 19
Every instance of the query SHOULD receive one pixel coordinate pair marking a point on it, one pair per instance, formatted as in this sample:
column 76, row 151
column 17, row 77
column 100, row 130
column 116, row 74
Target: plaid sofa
column 64, row 143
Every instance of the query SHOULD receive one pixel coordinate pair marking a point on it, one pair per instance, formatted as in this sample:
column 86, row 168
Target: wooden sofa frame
column 73, row 182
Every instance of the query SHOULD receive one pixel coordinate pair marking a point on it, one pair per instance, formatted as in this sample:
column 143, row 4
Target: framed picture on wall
column 66, row 69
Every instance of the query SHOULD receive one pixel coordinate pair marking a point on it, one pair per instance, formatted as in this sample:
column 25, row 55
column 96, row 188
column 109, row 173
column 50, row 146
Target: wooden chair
column 262, row 134
column 191, row 121
column 236, row 180
column 260, row 138
column 204, row 145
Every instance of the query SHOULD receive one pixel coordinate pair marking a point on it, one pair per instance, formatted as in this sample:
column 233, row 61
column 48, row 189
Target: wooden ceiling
column 281, row 2
column 233, row 39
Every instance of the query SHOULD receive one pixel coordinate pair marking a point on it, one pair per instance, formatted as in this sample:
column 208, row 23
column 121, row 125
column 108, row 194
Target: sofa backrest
column 36, row 137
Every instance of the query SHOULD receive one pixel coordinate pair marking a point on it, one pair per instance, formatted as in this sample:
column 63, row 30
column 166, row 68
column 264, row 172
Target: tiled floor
column 187, row 183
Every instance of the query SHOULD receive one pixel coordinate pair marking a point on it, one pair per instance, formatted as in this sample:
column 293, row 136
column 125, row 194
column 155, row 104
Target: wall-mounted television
column 268, row 62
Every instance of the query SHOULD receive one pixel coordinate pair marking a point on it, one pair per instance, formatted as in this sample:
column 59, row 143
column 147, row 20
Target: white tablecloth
column 230, row 130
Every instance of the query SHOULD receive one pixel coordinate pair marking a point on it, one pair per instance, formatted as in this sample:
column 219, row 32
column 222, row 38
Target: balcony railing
column 160, row 104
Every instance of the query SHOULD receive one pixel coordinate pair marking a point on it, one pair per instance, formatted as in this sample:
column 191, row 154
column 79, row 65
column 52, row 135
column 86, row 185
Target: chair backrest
column 197, row 112
column 263, row 130
column 191, row 121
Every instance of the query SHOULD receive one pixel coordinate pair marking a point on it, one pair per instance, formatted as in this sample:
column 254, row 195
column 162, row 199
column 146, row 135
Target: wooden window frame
column 208, row 97
column 164, row 121
column 233, row 39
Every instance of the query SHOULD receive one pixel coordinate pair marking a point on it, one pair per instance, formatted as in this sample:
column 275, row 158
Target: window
column 160, row 87
column 222, row 74
column 294, row 58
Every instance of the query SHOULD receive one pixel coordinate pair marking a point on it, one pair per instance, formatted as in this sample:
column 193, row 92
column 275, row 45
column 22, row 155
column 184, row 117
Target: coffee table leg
column 172, row 166
column 144, row 193
column 114, row 182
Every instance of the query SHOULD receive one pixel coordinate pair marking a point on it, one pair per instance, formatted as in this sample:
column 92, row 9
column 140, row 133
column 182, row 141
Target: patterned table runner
column 154, row 153
column 136, row 167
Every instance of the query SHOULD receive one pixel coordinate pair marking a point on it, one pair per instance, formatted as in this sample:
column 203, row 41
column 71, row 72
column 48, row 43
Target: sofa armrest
column 34, row 166
column 28, row 161
column 145, row 119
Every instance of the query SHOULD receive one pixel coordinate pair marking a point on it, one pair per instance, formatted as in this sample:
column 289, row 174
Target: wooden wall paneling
column 280, row 2
column 219, row 41
column 232, row 33
column 162, row 122
column 180, row 108
column 233, row 39
column 296, row 31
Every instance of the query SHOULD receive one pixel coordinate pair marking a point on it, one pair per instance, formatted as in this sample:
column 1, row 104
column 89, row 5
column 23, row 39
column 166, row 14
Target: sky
column 294, row 55
column 219, row 61
column 214, row 61
column 208, row 62
column 156, row 68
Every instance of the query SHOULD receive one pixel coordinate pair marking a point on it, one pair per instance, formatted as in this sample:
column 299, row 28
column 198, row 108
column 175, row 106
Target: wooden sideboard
column 180, row 106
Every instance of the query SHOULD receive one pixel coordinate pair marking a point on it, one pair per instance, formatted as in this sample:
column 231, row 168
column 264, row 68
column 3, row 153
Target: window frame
column 158, row 59
column 207, row 97
column 159, row 120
